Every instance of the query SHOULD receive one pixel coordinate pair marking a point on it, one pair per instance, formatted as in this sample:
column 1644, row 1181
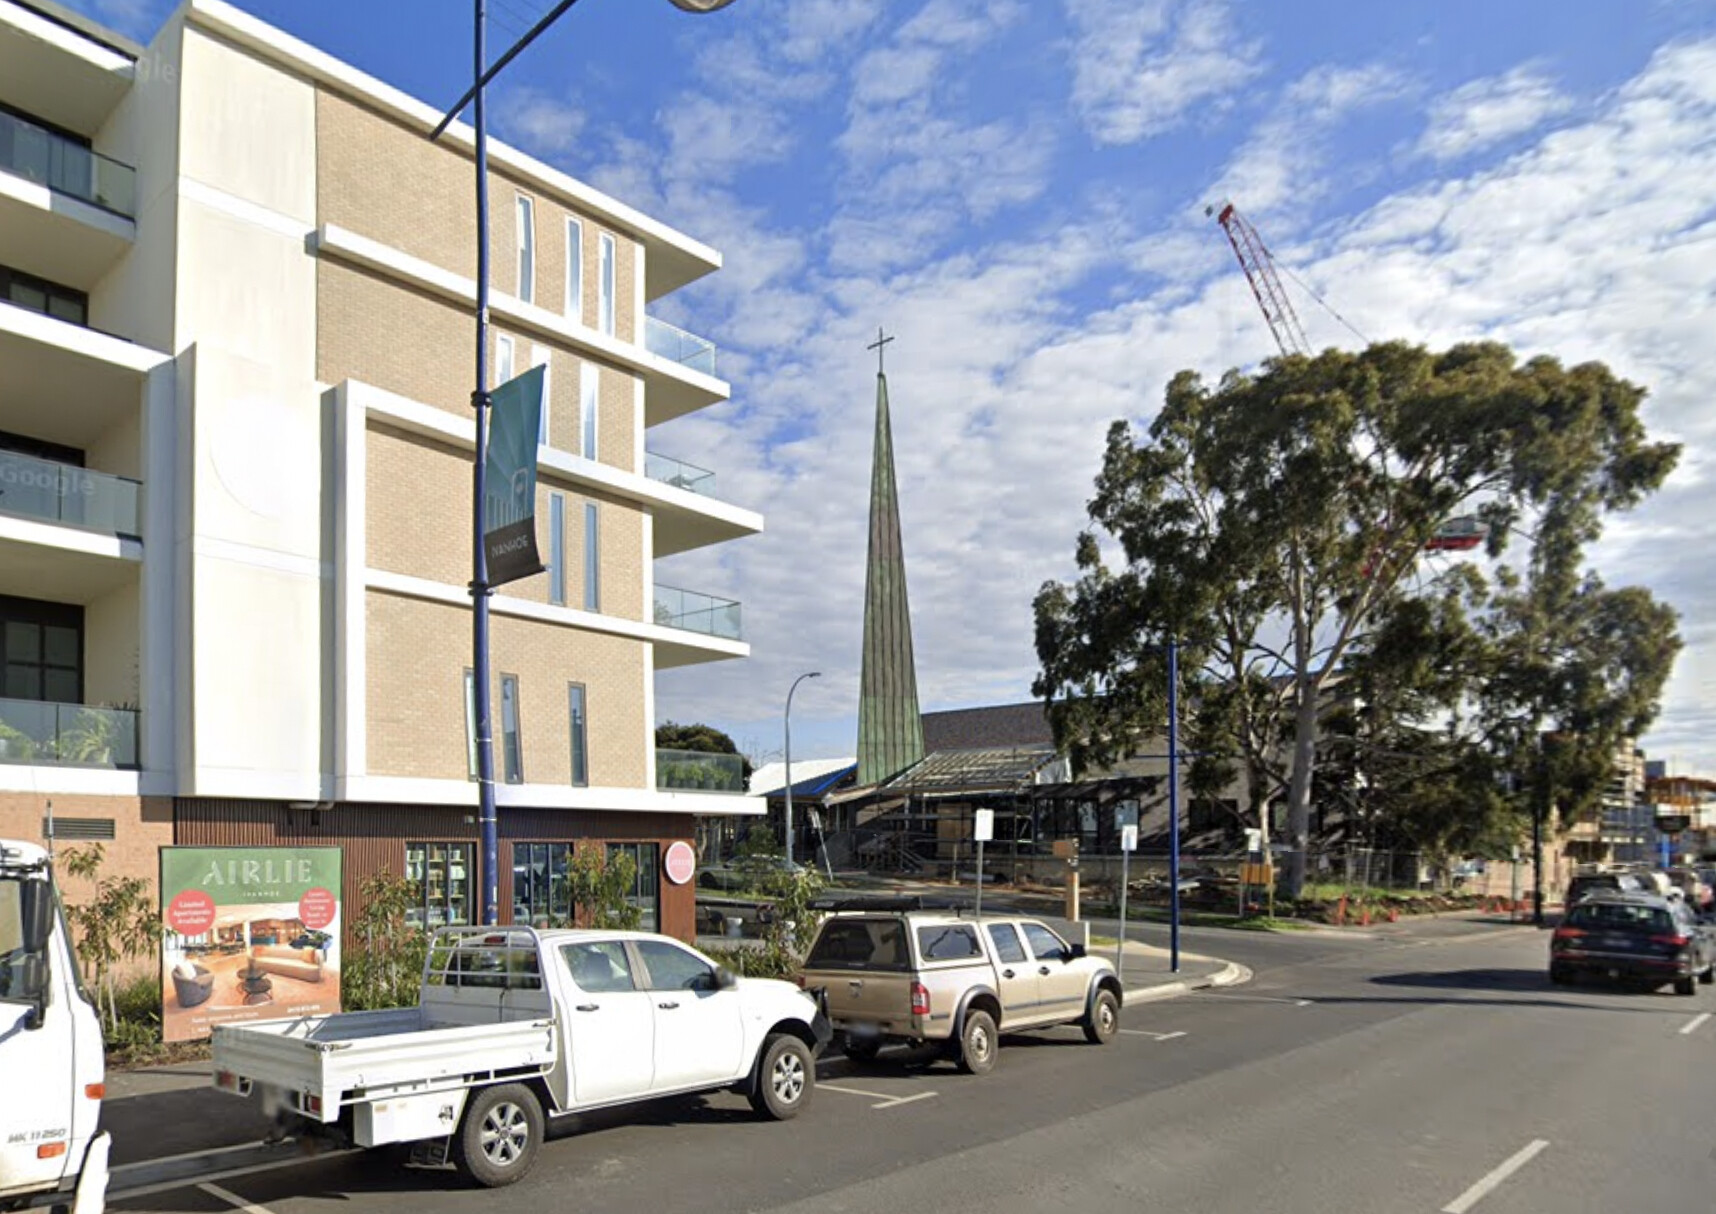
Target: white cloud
column 539, row 122
column 1142, row 67
column 1278, row 166
column 1485, row 112
column 1596, row 241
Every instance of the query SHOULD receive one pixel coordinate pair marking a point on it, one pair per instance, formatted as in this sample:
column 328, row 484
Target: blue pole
column 480, row 402
column 1173, row 805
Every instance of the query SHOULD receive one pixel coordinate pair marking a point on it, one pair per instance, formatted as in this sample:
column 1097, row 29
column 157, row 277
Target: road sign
column 1125, row 814
column 1253, row 839
column 1129, row 837
column 985, row 825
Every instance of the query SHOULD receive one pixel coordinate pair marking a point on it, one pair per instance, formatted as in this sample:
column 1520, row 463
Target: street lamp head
column 699, row 6
column 815, row 674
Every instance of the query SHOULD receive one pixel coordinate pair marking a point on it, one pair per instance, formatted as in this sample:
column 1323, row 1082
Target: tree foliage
column 703, row 739
column 117, row 923
column 1276, row 523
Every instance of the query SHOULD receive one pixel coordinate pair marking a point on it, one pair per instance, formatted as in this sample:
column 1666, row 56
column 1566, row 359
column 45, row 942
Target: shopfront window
column 541, row 884
column 443, row 874
column 646, row 891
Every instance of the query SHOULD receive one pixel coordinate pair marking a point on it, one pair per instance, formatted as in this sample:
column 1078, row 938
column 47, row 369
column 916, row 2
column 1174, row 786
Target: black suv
column 1642, row 939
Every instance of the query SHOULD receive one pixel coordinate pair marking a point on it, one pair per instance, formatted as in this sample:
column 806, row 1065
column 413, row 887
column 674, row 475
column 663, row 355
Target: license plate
column 861, row 1030
column 1614, row 973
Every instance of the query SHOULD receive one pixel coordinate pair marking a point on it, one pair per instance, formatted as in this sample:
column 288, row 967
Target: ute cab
column 51, row 1155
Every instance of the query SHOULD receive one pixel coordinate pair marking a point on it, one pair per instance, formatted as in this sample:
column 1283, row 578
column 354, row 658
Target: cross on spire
column 880, row 347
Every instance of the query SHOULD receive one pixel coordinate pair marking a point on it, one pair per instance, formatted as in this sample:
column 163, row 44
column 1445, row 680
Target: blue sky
column 1016, row 189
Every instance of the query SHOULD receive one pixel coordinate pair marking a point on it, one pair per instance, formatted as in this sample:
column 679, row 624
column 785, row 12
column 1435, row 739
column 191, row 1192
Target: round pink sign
column 680, row 862
column 191, row 912
column 316, row 908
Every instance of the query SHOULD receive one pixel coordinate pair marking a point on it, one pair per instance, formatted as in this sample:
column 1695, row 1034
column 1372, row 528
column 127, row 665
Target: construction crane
column 1259, row 267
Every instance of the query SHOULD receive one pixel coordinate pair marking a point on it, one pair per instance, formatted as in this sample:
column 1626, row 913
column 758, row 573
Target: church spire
column 890, row 731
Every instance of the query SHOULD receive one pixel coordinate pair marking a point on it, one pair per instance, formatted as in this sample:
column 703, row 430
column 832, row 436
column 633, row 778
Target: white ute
column 51, row 1060
column 515, row 1026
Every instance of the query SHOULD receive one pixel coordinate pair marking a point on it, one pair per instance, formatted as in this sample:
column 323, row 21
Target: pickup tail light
column 312, row 1104
column 920, row 999
column 1675, row 941
column 1569, row 933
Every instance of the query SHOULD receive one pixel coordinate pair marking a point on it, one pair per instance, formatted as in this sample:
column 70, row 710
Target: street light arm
column 554, row 14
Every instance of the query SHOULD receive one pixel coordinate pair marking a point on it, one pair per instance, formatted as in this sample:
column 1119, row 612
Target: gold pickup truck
column 918, row 976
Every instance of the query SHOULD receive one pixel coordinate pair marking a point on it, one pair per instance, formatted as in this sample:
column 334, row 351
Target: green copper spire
column 890, row 731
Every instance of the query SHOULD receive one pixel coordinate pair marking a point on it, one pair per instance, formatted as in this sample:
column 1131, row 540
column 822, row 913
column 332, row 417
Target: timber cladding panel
column 418, row 523
column 387, row 182
column 416, row 655
column 373, row 838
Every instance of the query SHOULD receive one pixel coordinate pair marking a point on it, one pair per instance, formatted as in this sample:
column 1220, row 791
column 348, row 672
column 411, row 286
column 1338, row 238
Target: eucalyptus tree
column 1271, row 521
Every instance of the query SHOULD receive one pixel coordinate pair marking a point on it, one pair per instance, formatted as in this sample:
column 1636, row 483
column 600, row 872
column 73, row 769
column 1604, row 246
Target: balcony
column 67, row 735
column 67, row 167
column 60, row 493
column 697, row 613
column 678, row 346
column 696, row 771
column 679, row 474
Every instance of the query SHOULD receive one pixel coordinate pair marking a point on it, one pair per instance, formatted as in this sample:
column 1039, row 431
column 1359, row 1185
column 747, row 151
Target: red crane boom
column 1259, row 267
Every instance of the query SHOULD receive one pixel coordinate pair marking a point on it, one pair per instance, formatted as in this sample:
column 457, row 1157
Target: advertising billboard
column 248, row 933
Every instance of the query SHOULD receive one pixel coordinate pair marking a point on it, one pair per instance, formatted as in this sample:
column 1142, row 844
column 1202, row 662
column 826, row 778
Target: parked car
column 1640, row 939
column 892, row 973
column 745, row 872
column 1613, row 882
column 515, row 1026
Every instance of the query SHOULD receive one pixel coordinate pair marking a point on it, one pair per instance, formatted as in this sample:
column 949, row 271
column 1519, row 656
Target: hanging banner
column 247, row 933
column 509, row 499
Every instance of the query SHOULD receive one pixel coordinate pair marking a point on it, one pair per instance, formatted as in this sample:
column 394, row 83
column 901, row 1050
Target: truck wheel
column 498, row 1140
column 1709, row 975
column 786, row 1076
column 1104, row 1019
column 1686, row 986
column 977, row 1043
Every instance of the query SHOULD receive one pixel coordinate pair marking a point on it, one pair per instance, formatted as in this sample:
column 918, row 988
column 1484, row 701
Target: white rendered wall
column 257, row 543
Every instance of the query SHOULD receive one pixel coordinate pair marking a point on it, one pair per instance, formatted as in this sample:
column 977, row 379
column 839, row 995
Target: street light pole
column 1173, row 806
column 814, row 674
column 481, row 403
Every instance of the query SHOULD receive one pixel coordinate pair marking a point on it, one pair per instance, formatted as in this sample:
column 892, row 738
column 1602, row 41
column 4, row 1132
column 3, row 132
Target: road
column 1429, row 1068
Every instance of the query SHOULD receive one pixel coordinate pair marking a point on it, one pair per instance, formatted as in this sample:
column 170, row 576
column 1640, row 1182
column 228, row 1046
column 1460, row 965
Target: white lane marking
column 1254, row 998
column 903, row 1100
column 886, row 1101
column 1153, row 1036
column 211, row 1155
column 233, row 1199
column 1693, row 1025
column 1508, row 1167
column 185, row 1182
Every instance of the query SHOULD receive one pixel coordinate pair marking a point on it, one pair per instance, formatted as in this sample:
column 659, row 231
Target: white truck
column 514, row 1027
column 51, row 1061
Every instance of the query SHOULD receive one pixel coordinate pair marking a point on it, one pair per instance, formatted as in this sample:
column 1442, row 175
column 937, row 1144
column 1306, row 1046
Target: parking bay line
column 1154, row 1036
column 887, row 1101
column 233, row 1199
column 1506, row 1168
column 1693, row 1025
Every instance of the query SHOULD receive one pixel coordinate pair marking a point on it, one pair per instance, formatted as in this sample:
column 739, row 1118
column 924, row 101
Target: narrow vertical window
column 605, row 304
column 592, row 559
column 557, row 548
column 589, row 400
column 503, row 359
column 470, row 724
column 542, row 356
column 580, row 741
column 526, row 249
column 575, row 269
column 510, row 744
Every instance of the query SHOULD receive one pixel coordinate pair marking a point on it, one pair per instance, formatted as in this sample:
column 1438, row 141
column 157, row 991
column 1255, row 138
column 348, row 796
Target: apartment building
column 236, row 292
